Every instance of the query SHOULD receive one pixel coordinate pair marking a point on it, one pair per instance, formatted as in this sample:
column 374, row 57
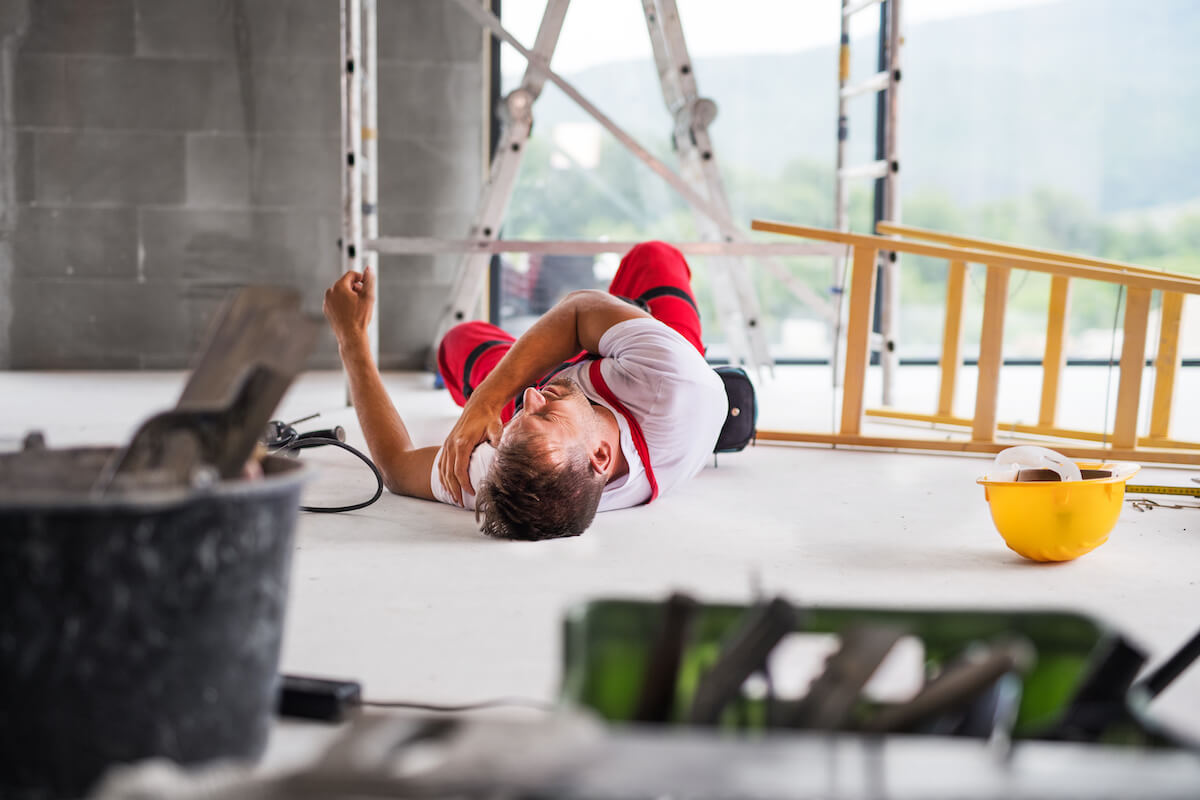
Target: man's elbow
column 583, row 298
column 403, row 485
column 406, row 481
column 392, row 485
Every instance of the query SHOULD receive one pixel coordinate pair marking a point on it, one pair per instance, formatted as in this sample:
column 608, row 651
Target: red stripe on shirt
column 639, row 441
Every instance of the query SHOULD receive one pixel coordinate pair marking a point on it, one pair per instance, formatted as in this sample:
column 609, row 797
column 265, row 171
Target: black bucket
column 136, row 625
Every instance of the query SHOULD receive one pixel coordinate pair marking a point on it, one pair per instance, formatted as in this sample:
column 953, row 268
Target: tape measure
column 1192, row 491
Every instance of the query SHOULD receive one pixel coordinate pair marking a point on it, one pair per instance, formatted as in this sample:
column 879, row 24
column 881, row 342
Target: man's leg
column 656, row 274
column 468, row 352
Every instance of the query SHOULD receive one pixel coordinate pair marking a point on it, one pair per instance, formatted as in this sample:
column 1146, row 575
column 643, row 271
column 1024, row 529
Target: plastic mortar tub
column 139, row 624
column 1045, row 518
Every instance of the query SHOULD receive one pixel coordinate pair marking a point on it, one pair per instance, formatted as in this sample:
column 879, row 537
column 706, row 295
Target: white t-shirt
column 666, row 385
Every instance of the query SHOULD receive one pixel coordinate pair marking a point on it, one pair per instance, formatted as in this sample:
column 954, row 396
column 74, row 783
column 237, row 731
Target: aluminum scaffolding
column 699, row 184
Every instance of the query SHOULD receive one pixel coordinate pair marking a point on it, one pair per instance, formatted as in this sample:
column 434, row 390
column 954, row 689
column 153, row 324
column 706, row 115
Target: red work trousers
column 654, row 275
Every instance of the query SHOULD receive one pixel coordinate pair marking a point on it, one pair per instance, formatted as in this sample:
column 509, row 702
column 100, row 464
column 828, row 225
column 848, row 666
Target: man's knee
column 456, row 346
column 660, row 254
column 464, row 331
column 650, row 265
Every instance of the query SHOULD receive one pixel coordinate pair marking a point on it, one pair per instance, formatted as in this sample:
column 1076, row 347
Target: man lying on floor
column 598, row 406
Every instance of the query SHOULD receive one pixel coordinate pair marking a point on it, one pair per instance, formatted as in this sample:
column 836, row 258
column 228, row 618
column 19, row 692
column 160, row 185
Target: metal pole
column 841, row 197
column 370, row 161
column 891, row 209
column 877, row 211
column 432, row 246
column 495, row 288
column 352, row 178
column 887, row 198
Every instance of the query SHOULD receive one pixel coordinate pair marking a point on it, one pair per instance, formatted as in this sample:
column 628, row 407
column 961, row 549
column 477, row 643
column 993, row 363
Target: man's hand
column 477, row 424
column 348, row 305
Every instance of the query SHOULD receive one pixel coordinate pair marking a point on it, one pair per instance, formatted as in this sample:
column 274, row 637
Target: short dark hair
column 528, row 496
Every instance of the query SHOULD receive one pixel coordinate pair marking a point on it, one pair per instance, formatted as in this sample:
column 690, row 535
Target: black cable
column 1173, row 667
column 313, row 442
column 283, row 437
column 503, row 702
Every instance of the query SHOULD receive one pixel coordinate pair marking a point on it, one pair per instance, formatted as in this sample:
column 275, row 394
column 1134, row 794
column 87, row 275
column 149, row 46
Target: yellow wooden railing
column 1122, row 442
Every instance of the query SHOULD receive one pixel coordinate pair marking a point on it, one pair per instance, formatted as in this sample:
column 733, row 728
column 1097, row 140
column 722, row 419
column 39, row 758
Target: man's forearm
column 573, row 325
column 405, row 469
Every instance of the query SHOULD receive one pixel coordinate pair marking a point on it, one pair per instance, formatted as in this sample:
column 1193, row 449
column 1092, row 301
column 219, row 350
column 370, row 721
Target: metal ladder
column 517, row 121
column 700, row 182
column 736, row 300
column 884, row 170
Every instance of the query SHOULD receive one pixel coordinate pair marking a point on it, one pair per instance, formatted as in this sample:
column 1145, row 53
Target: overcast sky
column 597, row 31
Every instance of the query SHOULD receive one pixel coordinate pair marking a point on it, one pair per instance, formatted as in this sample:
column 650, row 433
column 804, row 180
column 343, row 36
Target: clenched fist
column 348, row 305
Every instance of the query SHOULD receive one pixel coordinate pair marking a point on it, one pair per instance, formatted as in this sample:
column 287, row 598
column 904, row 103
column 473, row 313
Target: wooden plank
column 1133, row 361
column 1166, row 365
column 1167, row 282
column 1041, row 431
column 1142, row 455
column 952, row 336
column 913, row 416
column 858, row 336
column 886, row 228
column 1054, row 358
column 991, row 344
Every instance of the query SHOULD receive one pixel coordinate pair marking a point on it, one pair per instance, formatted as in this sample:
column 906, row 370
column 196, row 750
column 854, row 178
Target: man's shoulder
column 636, row 328
column 648, row 338
column 658, row 368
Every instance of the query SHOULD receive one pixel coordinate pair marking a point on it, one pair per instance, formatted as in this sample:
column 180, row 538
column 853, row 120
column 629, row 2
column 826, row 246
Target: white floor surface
column 409, row 598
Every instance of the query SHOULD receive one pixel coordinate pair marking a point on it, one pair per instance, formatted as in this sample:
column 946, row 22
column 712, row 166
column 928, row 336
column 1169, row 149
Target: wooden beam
column 952, row 336
column 950, row 420
column 991, row 345
column 967, row 446
column 1054, row 358
column 1166, row 364
column 1168, row 282
column 895, row 229
column 1133, row 361
column 419, row 245
column 858, row 336
column 916, row 416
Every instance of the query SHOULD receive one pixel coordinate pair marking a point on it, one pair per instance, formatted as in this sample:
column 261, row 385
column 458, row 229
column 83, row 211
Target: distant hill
column 1100, row 98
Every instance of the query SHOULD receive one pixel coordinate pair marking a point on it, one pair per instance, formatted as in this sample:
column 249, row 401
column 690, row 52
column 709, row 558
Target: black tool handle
column 317, row 698
column 337, row 433
column 1171, row 669
column 744, row 653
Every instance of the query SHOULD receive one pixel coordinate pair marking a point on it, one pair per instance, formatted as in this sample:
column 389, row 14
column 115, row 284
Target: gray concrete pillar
column 14, row 17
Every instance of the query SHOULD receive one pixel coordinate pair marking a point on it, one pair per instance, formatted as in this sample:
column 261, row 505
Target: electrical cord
column 501, row 702
column 283, row 437
column 332, row 699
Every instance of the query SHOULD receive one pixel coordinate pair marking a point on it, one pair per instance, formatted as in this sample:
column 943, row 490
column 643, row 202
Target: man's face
column 559, row 413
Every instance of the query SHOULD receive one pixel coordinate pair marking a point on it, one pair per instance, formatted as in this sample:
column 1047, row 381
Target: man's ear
column 601, row 457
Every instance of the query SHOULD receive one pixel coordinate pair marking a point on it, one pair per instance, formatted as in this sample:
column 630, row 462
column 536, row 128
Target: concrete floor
column 407, row 597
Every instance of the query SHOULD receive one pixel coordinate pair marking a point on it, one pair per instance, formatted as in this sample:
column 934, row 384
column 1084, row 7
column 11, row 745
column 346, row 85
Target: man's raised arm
column 575, row 323
column 405, row 469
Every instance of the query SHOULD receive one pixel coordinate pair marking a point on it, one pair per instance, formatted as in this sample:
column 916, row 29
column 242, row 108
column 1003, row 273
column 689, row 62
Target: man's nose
column 533, row 400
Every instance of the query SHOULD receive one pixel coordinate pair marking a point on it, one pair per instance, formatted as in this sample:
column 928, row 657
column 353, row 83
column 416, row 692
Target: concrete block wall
column 163, row 152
